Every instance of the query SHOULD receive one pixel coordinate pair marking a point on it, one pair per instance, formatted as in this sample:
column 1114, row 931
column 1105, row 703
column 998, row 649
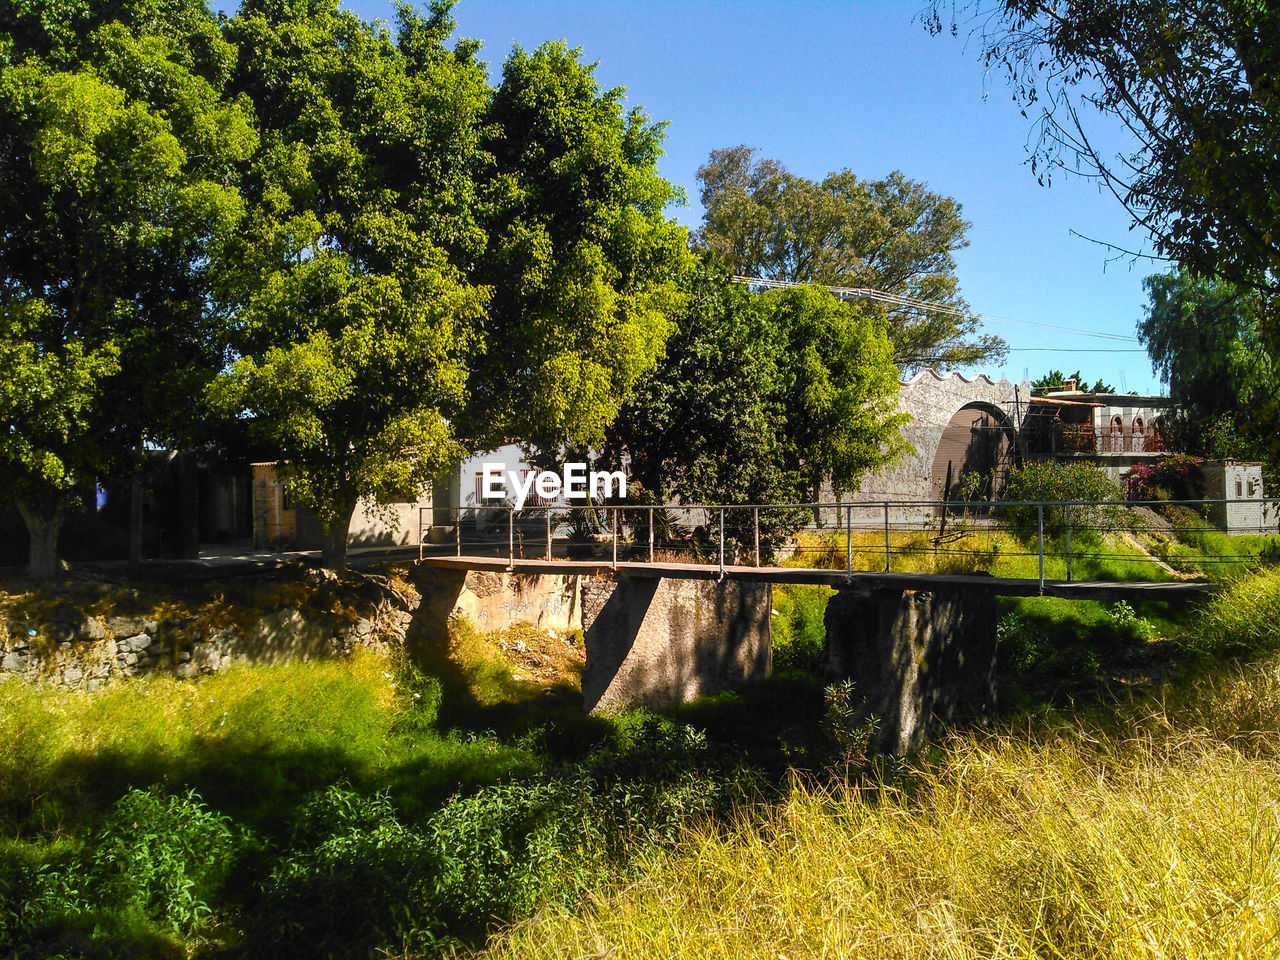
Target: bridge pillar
column 918, row 658
column 656, row 640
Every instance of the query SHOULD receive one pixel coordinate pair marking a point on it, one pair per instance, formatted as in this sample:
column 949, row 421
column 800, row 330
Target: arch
column 978, row 439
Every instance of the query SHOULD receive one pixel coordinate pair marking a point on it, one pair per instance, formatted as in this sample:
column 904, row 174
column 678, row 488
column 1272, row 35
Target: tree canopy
column 1057, row 380
column 431, row 262
column 119, row 138
column 1204, row 340
column 893, row 235
column 763, row 398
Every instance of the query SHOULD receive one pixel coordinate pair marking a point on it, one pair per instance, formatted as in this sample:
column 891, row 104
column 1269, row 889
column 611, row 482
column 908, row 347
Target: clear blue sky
column 822, row 86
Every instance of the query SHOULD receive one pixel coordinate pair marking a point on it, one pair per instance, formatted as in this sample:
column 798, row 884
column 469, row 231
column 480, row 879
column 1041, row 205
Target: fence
column 1103, row 540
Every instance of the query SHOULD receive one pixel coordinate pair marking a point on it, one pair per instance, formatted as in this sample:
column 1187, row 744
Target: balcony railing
column 1085, row 439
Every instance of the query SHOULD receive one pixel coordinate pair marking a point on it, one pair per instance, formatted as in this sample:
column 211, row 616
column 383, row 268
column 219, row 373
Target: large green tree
column 119, row 143
column 706, row 424
column 431, row 262
column 582, row 263
column 893, row 235
column 353, row 322
column 763, row 398
column 1204, row 340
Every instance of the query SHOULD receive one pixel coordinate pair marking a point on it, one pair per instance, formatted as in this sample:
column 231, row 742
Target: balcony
column 1087, row 441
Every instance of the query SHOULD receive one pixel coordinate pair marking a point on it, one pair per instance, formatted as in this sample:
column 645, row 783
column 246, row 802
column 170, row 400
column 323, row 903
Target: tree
column 118, row 147
column 430, row 262
column 352, row 324
column 1204, row 341
column 1196, row 86
column 581, row 261
column 839, row 388
column 1057, row 380
column 706, row 424
column 892, row 235
column 761, row 399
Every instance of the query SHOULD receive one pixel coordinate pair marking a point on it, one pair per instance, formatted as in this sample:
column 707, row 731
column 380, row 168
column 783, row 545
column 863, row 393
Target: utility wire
column 894, row 299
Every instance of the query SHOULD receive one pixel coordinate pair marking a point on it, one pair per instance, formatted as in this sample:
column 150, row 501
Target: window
column 1239, row 489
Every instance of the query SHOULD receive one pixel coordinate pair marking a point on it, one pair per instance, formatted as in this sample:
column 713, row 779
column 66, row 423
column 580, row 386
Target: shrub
column 1175, row 477
column 354, row 879
column 1057, row 482
column 157, row 866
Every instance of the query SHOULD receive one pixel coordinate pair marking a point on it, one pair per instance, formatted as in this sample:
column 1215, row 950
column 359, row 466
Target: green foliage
column 1194, row 82
column 1049, row 482
column 1205, row 340
column 838, row 388
column 798, row 626
column 1055, row 379
column 352, row 323
column 122, row 138
column 1243, row 621
column 891, row 234
column 582, row 264
column 706, row 425
column 355, row 878
column 161, row 860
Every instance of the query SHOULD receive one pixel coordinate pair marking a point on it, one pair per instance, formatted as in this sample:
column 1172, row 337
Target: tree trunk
column 334, row 539
column 135, row 521
column 42, row 530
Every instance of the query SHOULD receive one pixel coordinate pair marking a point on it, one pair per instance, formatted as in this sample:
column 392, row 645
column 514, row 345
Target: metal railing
column 1055, row 539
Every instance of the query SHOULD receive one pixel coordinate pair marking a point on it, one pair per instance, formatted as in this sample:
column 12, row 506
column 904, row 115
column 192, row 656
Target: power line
column 894, row 299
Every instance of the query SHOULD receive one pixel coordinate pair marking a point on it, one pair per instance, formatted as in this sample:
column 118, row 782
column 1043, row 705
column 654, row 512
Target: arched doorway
column 976, row 449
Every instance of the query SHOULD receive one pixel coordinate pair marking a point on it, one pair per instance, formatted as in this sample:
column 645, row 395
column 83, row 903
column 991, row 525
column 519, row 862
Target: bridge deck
column 1001, row 586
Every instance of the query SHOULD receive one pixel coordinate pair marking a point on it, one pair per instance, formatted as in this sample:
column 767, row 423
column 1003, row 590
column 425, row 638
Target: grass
column 252, row 741
column 974, row 549
column 1151, row 832
column 384, row 806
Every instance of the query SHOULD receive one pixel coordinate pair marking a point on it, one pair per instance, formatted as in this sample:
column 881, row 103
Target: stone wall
column 932, row 399
column 660, row 641
column 70, row 648
column 496, row 600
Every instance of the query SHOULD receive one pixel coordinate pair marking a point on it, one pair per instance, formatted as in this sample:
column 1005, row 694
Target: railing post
column 722, row 541
column 613, row 526
column 549, row 533
column 511, row 536
column 420, row 509
column 1067, row 516
column 848, row 539
column 1040, row 541
column 457, row 528
column 886, row 536
column 651, row 534
column 755, row 524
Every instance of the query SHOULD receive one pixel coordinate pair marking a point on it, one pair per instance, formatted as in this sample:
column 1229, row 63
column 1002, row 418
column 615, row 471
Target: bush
column 1175, row 477
column 1057, row 482
column 156, row 867
column 356, row 878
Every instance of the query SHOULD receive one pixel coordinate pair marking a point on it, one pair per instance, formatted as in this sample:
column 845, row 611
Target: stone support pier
column 918, row 658
column 656, row 640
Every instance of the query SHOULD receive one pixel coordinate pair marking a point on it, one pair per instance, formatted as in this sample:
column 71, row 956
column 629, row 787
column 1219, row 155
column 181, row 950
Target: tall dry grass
column 1152, row 834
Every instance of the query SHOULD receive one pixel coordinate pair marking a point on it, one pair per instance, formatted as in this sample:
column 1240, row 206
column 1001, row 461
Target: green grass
column 1144, row 827
column 373, row 807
